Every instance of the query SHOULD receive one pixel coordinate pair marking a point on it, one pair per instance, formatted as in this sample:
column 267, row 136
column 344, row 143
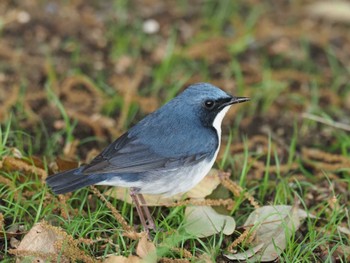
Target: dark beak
column 233, row 100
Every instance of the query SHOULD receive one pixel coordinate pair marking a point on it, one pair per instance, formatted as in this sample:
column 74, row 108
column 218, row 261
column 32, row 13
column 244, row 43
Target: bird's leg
column 151, row 224
column 134, row 197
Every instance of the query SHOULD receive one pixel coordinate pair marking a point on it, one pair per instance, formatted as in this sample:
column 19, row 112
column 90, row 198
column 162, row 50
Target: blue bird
column 168, row 152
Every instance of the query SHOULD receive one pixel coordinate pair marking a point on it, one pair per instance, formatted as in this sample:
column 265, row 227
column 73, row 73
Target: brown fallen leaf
column 66, row 164
column 342, row 252
column 14, row 230
column 344, row 230
column 122, row 259
column 204, row 258
column 273, row 225
column 46, row 243
column 275, row 235
column 14, row 242
column 203, row 221
column 246, row 254
column 146, row 250
column 333, row 11
column 39, row 244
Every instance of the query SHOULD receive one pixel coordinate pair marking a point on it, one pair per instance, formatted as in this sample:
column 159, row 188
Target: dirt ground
column 74, row 75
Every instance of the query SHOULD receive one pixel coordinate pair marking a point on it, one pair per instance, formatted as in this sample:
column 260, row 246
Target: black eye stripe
column 218, row 103
column 224, row 100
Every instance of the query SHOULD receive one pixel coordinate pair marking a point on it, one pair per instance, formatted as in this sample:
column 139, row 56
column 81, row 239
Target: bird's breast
column 179, row 180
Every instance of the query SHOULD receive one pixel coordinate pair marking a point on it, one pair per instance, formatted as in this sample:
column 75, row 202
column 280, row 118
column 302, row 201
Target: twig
column 128, row 229
column 331, row 123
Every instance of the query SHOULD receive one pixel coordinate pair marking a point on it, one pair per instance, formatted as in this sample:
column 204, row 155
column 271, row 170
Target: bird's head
column 209, row 103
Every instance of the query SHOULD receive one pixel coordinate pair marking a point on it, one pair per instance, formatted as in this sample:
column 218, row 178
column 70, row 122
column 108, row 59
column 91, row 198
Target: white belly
column 178, row 181
column 168, row 182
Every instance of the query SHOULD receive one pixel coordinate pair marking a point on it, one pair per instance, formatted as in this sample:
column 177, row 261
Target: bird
column 168, row 152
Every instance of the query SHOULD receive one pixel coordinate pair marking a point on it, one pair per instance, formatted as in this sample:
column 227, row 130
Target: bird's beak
column 234, row 100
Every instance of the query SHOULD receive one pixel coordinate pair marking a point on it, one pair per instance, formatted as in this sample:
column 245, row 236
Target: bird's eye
column 209, row 104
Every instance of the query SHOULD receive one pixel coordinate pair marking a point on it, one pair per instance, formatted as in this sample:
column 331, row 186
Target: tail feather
column 71, row 180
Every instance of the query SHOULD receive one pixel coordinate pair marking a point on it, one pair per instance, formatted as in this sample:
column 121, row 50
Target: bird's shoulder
column 134, row 155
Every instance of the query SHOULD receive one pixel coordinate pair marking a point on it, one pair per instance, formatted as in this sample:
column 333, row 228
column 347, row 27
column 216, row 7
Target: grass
column 274, row 104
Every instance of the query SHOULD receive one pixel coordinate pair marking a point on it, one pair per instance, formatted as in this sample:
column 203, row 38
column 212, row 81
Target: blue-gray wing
column 129, row 155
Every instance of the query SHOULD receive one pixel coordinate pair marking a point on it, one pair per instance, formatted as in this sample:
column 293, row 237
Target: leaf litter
column 272, row 227
column 70, row 28
column 204, row 221
column 48, row 243
column 200, row 220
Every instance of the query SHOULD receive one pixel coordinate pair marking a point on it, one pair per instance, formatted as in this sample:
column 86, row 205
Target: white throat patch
column 218, row 120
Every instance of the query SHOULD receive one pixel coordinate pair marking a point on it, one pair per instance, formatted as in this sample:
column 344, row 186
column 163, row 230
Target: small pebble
column 150, row 26
column 23, row 17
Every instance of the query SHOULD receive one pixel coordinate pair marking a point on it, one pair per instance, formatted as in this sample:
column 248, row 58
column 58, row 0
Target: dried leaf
column 39, row 242
column 273, row 225
column 45, row 242
column 13, row 231
column 204, row 258
column 146, row 250
column 122, row 259
column 246, row 254
column 344, row 230
column 14, row 242
column 209, row 183
column 16, row 153
column 337, row 11
column 343, row 252
column 64, row 164
column 203, row 221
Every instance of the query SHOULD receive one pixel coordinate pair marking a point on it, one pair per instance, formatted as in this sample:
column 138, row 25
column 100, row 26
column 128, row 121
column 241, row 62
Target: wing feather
column 129, row 155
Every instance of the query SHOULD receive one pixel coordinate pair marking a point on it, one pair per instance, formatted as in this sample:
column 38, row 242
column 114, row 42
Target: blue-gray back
column 171, row 136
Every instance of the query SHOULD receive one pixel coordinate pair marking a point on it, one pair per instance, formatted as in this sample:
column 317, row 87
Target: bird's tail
column 71, row 180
